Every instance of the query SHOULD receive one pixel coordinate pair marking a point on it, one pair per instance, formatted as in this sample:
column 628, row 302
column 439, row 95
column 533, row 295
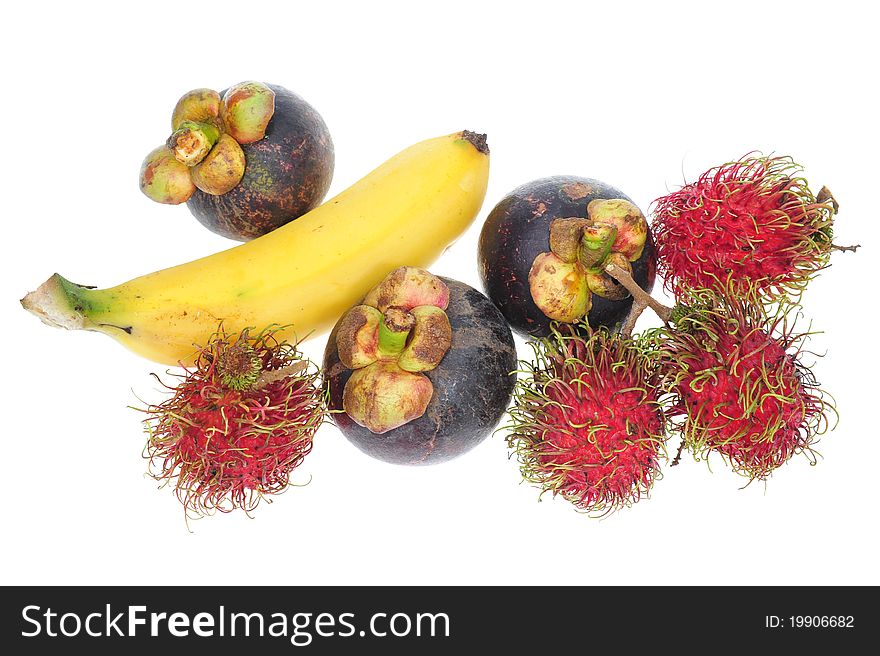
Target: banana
column 305, row 274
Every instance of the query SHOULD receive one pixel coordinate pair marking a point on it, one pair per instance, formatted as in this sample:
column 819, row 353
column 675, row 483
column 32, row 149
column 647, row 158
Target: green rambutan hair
column 748, row 224
column 739, row 387
column 586, row 421
column 237, row 423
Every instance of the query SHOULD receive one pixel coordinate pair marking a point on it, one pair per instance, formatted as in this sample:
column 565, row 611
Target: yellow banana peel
column 304, row 275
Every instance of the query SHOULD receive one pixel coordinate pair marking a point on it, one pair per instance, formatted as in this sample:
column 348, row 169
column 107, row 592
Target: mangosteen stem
column 192, row 141
column 641, row 299
column 595, row 244
column 271, row 375
column 394, row 330
column 632, row 316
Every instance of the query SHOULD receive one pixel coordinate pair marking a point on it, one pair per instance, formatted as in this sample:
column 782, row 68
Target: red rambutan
column 753, row 223
column 236, row 425
column 586, row 422
column 739, row 385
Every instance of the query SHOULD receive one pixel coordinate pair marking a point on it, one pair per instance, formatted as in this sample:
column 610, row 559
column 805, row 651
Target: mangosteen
column 421, row 371
column 546, row 250
column 245, row 161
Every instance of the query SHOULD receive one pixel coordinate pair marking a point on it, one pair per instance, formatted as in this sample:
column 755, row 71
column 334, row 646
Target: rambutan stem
column 825, row 196
column 271, row 375
column 641, row 299
column 677, row 459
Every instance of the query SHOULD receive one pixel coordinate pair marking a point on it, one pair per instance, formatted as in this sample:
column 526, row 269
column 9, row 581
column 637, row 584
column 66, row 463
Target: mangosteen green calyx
column 564, row 248
column 421, row 370
column 246, row 161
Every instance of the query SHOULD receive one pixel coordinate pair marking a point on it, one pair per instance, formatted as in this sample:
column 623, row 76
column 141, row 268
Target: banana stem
column 63, row 304
column 641, row 299
column 475, row 139
column 56, row 304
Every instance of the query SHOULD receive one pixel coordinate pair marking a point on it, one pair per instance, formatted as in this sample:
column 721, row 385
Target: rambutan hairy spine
column 739, row 385
column 586, row 423
column 225, row 442
column 752, row 223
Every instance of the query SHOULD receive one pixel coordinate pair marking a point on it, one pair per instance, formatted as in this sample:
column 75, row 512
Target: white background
column 637, row 95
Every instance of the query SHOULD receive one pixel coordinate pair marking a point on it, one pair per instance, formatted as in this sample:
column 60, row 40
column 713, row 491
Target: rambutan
column 739, row 386
column 749, row 224
column 587, row 423
column 236, row 425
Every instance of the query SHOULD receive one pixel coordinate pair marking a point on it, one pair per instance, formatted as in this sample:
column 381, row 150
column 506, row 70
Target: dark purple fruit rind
column 287, row 173
column 518, row 230
column 472, row 387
